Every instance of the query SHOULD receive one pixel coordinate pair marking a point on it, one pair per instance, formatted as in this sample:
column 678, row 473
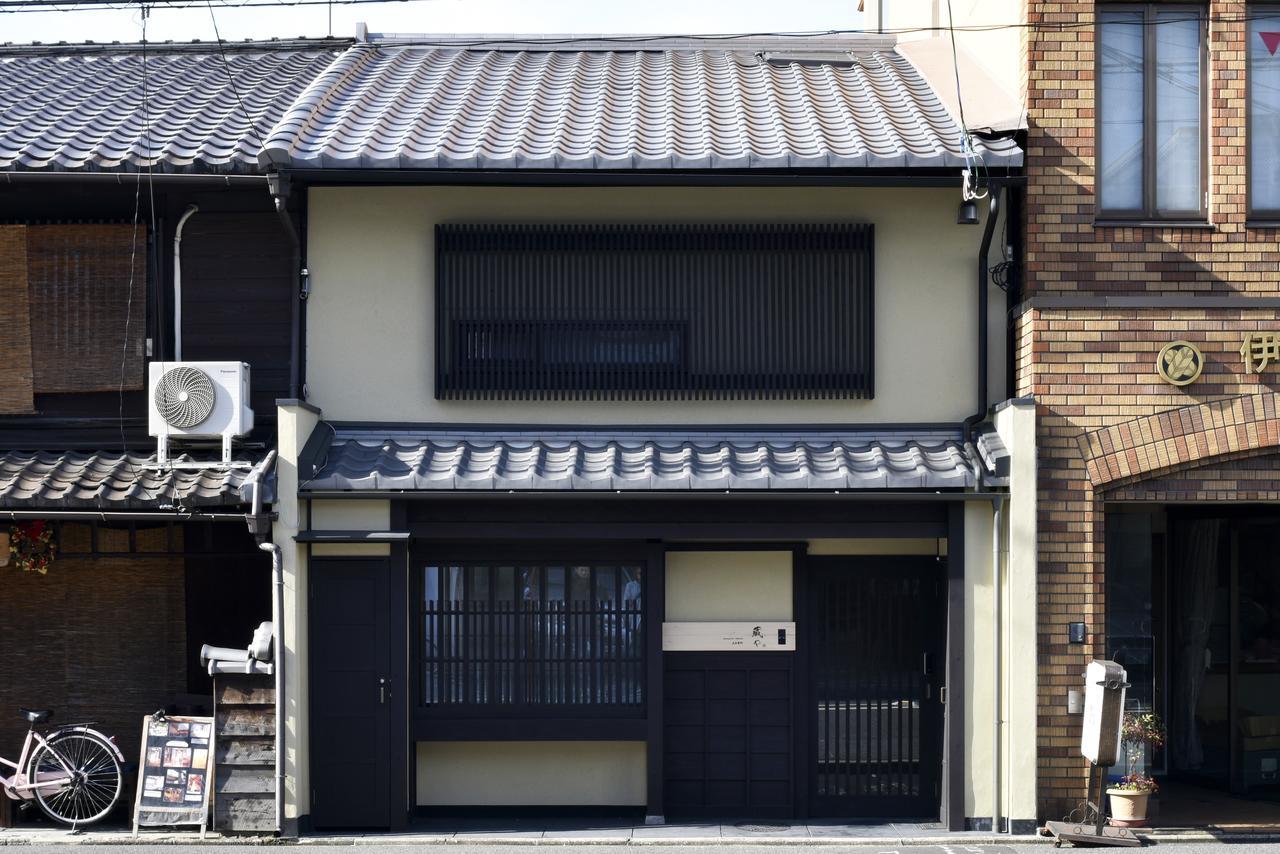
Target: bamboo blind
column 88, row 295
column 16, row 381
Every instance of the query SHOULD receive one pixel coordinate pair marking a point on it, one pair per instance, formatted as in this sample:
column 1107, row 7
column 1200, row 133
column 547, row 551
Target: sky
column 433, row 16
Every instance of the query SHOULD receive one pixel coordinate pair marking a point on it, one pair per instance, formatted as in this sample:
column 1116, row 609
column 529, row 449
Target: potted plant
column 1139, row 734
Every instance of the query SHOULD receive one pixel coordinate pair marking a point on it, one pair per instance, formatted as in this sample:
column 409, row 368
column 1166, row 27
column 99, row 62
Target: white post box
column 1104, row 689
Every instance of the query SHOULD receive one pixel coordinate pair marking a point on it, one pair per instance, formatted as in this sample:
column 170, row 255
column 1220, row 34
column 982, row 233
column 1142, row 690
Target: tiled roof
column 392, row 460
column 390, row 106
column 111, row 480
column 83, row 110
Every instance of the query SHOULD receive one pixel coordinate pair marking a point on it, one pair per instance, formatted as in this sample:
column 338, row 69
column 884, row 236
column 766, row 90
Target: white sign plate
column 729, row 637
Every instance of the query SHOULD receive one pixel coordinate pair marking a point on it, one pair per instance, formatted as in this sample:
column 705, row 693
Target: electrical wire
column 222, row 52
column 133, row 255
column 27, row 6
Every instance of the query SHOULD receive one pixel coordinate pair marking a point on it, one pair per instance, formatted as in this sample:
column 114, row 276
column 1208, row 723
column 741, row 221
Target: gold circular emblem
column 1180, row 363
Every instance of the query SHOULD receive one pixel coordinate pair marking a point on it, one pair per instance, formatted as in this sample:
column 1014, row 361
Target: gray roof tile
column 444, row 460
column 84, row 110
column 111, row 480
column 388, row 106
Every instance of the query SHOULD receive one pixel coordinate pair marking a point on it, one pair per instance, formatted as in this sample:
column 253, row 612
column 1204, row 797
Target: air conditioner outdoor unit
column 198, row 400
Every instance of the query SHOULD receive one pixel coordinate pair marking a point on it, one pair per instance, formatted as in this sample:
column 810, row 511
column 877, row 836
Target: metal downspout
column 997, row 526
column 277, row 642
column 177, row 280
column 984, row 281
column 279, row 187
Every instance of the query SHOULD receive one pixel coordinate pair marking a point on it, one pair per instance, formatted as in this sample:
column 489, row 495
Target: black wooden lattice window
column 532, row 636
column 661, row 311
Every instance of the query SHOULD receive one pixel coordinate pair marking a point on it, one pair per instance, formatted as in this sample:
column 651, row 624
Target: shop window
column 1264, row 111
column 645, row 312
column 1151, row 134
column 522, row 637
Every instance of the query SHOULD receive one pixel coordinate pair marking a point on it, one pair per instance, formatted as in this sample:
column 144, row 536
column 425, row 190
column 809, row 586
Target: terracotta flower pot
column 1128, row 807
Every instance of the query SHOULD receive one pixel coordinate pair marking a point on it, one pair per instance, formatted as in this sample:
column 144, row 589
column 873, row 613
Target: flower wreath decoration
column 31, row 544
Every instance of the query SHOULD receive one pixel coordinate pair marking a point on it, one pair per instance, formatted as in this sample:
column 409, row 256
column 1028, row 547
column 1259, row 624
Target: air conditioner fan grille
column 184, row 397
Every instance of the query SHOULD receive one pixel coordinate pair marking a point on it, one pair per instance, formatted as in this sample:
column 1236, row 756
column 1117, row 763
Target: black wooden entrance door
column 351, row 693
column 728, row 745
column 875, row 726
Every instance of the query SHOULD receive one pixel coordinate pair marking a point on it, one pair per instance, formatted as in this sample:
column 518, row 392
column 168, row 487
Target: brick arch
column 1181, row 438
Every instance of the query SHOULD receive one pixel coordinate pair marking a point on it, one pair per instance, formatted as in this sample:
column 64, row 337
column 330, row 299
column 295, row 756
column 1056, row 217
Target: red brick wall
column 1091, row 365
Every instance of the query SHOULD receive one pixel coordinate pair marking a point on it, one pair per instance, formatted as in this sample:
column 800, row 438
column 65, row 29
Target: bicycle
column 75, row 774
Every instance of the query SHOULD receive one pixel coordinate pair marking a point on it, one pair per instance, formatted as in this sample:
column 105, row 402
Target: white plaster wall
column 1016, row 424
column 293, row 426
column 707, row 586
column 531, row 773
column 370, row 337
column 998, row 48
column 350, row 515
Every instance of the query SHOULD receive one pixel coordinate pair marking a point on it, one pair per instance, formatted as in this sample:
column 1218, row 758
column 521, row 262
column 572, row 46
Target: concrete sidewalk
column 526, row 832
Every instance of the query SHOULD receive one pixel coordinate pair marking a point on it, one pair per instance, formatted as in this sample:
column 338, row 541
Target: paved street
column 377, row 847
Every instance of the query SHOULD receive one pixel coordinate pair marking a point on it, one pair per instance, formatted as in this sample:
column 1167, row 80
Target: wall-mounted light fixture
column 1075, row 633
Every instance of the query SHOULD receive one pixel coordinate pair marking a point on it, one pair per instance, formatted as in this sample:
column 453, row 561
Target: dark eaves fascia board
column 637, row 177
column 133, row 178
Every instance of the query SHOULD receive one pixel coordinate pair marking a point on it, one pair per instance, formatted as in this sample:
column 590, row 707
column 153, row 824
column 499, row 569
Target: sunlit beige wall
column 370, row 332
column 711, row 586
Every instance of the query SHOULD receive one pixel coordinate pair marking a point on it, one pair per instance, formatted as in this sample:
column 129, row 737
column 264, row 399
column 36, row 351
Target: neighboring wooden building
column 150, row 562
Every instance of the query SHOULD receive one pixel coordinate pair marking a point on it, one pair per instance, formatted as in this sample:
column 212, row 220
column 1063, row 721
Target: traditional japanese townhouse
column 136, row 227
column 1146, row 331
column 656, row 454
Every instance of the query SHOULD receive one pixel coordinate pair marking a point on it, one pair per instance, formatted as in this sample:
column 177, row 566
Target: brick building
column 1147, row 223
column 1154, row 527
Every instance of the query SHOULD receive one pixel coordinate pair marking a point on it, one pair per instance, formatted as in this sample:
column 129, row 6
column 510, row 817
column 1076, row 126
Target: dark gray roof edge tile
column 452, row 461
column 113, row 481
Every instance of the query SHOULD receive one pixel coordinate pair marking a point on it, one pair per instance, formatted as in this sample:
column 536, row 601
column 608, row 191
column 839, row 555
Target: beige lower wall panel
column 707, row 586
column 351, row 549
column 531, row 773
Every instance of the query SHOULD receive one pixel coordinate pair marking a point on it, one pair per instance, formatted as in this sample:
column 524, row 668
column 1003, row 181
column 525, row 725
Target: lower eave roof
column 450, row 460
column 117, row 481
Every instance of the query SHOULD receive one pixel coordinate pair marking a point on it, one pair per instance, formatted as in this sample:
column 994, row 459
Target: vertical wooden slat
column 17, row 382
column 590, row 312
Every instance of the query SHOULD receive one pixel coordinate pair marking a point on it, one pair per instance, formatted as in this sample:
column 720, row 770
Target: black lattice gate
column 876, row 659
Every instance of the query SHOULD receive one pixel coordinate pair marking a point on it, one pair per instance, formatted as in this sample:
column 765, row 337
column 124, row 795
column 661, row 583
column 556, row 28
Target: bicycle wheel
column 95, row 784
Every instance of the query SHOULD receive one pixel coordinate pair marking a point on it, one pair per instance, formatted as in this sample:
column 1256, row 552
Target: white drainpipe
column 997, row 516
column 277, row 644
column 177, row 281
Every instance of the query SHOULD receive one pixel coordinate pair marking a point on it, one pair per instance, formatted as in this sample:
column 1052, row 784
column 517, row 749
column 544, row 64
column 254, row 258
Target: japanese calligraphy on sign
column 1180, row 363
column 1259, row 350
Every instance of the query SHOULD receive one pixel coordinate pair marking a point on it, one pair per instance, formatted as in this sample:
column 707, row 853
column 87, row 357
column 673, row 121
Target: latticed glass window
column 1264, row 111
column 532, row 635
column 1151, row 129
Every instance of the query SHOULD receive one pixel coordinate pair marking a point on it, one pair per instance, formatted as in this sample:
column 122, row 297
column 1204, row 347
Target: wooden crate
column 245, row 757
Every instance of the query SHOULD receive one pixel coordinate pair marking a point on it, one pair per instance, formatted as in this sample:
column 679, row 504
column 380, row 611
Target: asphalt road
column 375, row 847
